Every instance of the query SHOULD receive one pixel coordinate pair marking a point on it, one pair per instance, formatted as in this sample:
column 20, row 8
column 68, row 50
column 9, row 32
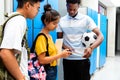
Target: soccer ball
column 88, row 38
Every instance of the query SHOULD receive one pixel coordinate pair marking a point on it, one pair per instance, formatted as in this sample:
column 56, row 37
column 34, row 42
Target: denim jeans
column 51, row 73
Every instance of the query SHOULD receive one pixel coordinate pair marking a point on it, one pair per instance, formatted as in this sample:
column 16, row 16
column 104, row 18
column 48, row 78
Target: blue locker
column 103, row 46
column 14, row 5
column 89, row 12
column 93, row 61
column 35, row 25
column 29, row 33
column 94, row 15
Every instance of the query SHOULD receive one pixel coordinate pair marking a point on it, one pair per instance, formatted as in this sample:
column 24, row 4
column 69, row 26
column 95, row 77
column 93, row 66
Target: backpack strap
column 33, row 45
column 8, row 20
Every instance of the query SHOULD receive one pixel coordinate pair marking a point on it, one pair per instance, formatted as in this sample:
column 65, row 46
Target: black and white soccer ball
column 88, row 38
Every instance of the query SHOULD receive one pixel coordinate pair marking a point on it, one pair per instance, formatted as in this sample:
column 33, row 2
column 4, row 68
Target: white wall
column 62, row 7
column 116, row 2
column 93, row 4
column 6, row 6
column 1, row 11
column 111, row 14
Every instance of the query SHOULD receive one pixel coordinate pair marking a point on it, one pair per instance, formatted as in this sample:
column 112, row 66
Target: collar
column 78, row 16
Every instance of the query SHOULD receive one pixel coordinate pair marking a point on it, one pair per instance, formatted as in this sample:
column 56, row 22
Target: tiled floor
column 110, row 71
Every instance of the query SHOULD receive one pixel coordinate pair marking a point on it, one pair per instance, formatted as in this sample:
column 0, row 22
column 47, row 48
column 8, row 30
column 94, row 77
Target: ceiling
column 107, row 3
column 116, row 2
column 111, row 3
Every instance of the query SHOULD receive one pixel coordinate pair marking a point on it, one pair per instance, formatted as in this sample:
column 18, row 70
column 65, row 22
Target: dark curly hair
column 73, row 1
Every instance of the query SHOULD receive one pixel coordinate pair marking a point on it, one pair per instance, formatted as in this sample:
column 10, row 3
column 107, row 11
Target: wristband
column 90, row 47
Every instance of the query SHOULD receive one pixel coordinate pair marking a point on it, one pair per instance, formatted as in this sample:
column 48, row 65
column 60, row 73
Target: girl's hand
column 65, row 53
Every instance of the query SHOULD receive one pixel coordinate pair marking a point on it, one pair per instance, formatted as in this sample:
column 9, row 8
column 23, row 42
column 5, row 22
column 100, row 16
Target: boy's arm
column 10, row 62
column 99, row 38
column 88, row 51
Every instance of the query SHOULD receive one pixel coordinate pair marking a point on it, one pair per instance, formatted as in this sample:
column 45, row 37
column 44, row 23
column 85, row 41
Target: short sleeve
column 13, row 33
column 41, row 44
column 91, row 23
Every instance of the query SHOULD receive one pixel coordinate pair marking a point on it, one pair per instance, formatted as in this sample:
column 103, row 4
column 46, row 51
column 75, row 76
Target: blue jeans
column 51, row 73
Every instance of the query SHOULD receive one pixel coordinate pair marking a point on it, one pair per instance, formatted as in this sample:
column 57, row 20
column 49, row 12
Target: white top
column 72, row 29
column 13, row 35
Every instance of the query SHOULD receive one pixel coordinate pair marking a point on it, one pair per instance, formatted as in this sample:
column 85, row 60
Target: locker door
column 103, row 46
column 94, row 15
column 35, row 25
column 94, row 54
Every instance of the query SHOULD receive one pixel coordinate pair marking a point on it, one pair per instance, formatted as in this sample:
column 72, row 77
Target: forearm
column 45, row 60
column 99, row 38
column 49, row 59
column 11, row 64
column 97, row 42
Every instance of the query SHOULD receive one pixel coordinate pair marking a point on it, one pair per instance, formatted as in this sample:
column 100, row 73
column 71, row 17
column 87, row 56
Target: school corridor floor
column 110, row 71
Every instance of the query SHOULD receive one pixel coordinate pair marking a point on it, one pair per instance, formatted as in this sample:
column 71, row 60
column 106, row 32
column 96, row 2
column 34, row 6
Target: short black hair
column 73, row 1
column 22, row 2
